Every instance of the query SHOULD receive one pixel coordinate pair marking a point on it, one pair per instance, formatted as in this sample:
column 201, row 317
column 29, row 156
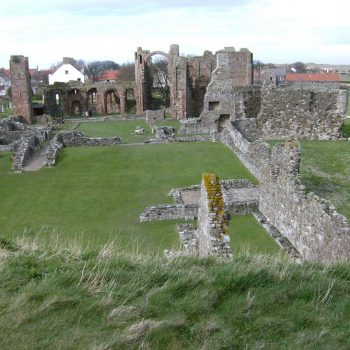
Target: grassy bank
column 325, row 170
column 71, row 298
column 99, row 193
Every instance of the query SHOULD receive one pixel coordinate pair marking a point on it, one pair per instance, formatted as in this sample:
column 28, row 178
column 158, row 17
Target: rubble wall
column 306, row 113
column 310, row 223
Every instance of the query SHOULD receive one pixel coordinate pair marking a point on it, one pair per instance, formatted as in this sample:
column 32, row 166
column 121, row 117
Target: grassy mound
column 70, row 298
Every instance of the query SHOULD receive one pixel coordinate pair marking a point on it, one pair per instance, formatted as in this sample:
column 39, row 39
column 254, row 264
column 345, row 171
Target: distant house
column 5, row 82
column 276, row 76
column 317, row 79
column 109, row 76
column 66, row 73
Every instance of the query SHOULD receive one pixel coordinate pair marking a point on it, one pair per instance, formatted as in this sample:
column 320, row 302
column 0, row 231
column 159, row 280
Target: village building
column 66, row 73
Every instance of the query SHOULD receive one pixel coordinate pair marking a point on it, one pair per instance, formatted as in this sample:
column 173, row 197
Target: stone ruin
column 21, row 139
column 213, row 95
column 311, row 224
column 21, row 88
column 74, row 138
column 212, row 230
column 211, row 236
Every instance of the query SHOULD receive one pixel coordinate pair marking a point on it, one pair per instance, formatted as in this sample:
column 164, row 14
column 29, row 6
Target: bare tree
column 160, row 77
column 95, row 68
column 127, row 72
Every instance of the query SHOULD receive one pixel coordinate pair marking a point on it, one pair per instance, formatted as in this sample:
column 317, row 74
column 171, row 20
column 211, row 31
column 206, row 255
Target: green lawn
column 123, row 129
column 99, row 192
column 325, row 170
column 346, row 127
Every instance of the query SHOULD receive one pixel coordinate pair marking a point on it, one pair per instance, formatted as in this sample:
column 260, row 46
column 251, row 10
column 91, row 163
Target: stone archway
column 75, row 102
column 130, row 103
column 157, row 80
column 91, row 101
column 111, row 101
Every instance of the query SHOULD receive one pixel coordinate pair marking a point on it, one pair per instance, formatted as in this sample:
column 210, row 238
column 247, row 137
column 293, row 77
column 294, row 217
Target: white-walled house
column 5, row 82
column 66, row 73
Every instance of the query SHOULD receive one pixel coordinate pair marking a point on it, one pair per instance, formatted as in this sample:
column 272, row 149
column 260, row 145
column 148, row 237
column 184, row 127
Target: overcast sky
column 277, row 31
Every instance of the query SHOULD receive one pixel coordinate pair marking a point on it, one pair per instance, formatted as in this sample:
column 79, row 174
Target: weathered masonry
column 77, row 98
column 188, row 79
column 21, row 88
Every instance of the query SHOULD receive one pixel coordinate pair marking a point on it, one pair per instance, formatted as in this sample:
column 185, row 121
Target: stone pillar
column 122, row 97
column 21, row 88
column 212, row 225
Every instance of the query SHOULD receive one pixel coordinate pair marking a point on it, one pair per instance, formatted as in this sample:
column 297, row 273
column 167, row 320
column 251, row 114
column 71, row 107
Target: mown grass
column 69, row 298
column 122, row 129
column 325, row 170
column 99, row 193
column 346, row 127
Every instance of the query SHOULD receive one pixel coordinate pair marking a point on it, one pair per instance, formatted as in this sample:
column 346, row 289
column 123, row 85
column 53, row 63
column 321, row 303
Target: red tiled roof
column 312, row 77
column 6, row 72
column 109, row 75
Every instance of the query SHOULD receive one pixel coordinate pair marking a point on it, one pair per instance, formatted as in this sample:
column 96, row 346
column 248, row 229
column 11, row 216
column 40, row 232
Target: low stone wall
column 110, row 118
column 78, row 138
column 244, row 207
column 170, row 212
column 27, row 145
column 53, row 151
column 194, row 138
column 253, row 155
column 226, row 185
column 75, row 138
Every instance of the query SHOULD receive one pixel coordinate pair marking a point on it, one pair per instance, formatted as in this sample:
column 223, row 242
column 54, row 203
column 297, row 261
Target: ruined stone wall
column 26, row 146
column 21, row 88
column 212, row 224
column 200, row 69
column 310, row 223
column 188, row 79
column 170, row 212
column 313, row 114
column 77, row 98
column 78, row 138
column 234, row 69
column 253, row 155
column 53, row 151
column 74, row 138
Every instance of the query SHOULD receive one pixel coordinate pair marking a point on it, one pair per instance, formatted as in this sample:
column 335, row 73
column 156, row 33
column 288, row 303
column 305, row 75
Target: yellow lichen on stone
column 215, row 199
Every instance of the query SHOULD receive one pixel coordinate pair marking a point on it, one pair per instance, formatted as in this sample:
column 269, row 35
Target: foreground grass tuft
column 62, row 297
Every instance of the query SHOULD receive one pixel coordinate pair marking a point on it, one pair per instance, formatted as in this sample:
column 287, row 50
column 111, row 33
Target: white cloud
column 275, row 31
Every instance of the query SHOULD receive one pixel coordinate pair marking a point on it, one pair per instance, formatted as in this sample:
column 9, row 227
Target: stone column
column 21, row 87
column 122, row 98
column 212, row 228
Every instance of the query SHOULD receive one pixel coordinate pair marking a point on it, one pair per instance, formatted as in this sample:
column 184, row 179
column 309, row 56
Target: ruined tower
column 21, row 88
